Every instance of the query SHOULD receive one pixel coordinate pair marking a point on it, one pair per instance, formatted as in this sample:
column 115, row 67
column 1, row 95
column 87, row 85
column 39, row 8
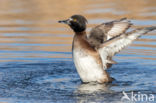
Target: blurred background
column 29, row 30
column 35, row 50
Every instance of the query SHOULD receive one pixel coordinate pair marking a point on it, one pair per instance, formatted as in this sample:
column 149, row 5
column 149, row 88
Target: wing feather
column 113, row 46
column 101, row 33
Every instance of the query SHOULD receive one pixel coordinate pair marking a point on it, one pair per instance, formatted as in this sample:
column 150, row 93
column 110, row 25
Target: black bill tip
column 60, row 21
column 64, row 21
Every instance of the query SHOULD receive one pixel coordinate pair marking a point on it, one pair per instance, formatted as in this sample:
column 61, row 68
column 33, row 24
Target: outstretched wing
column 113, row 46
column 99, row 34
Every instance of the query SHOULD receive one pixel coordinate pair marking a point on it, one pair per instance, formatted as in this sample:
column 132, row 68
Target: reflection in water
column 92, row 92
column 93, row 87
column 35, row 51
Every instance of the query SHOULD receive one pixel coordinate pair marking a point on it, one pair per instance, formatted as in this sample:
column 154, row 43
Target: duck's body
column 92, row 53
column 87, row 60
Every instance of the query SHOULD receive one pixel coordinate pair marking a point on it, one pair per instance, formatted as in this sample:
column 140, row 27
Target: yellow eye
column 75, row 20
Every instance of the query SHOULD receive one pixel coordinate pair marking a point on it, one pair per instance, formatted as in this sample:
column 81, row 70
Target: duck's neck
column 80, row 33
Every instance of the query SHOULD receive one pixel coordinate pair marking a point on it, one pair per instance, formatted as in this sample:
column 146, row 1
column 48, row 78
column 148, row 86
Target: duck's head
column 76, row 22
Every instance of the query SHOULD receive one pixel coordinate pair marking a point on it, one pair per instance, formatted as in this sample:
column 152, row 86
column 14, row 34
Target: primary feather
column 113, row 46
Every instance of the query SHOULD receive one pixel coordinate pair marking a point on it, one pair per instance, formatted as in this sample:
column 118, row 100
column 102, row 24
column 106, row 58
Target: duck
column 92, row 52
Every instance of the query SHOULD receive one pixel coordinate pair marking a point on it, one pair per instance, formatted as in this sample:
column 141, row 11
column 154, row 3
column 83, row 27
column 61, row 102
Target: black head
column 76, row 22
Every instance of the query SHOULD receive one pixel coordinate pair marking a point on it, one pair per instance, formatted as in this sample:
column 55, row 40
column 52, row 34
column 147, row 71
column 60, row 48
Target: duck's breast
column 87, row 66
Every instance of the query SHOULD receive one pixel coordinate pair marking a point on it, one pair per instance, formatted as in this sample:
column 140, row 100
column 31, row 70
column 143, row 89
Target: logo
column 137, row 97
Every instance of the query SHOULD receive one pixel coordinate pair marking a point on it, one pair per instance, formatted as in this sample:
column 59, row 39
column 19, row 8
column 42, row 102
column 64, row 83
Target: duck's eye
column 75, row 20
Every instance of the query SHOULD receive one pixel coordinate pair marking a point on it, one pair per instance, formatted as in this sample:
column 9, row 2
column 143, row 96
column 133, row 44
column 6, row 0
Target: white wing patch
column 113, row 46
column 118, row 28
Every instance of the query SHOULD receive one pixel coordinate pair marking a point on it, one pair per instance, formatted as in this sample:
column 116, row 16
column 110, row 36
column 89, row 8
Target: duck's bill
column 64, row 21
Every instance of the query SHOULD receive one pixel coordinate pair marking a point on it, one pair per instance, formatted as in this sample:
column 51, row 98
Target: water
column 35, row 52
